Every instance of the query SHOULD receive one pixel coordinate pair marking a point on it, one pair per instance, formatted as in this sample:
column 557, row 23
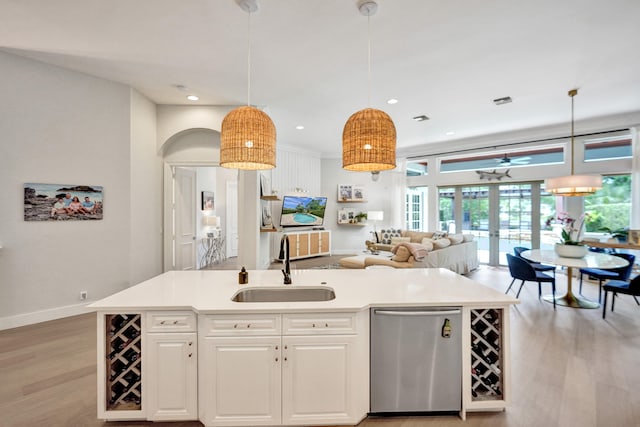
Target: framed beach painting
column 61, row 202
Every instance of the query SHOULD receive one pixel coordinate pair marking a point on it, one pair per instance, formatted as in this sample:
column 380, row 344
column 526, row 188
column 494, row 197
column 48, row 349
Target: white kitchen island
column 176, row 347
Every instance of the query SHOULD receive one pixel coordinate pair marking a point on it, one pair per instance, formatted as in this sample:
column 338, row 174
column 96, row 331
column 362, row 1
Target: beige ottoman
column 358, row 261
column 352, row 261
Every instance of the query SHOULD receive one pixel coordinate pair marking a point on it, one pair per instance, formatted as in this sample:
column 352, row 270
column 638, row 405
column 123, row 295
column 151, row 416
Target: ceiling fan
column 508, row 161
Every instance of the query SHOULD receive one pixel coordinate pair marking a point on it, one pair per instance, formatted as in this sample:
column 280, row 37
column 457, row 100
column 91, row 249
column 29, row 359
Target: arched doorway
column 191, row 160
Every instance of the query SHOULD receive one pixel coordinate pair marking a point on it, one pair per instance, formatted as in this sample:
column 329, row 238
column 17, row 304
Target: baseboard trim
column 25, row 319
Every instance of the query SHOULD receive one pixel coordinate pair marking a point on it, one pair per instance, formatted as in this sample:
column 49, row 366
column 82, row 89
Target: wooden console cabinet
column 309, row 243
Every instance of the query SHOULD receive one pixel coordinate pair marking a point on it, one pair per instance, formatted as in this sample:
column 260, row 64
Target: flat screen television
column 302, row 211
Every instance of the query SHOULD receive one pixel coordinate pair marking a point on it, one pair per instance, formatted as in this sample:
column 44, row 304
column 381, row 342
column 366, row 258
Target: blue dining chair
column 620, row 273
column 520, row 269
column 517, row 250
column 620, row 287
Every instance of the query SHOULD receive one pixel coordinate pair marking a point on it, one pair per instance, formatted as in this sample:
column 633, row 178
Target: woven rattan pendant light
column 573, row 185
column 369, row 136
column 248, row 136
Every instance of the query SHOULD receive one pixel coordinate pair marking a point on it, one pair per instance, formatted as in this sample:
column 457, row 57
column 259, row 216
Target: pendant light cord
column 573, row 145
column 369, row 60
column 249, row 58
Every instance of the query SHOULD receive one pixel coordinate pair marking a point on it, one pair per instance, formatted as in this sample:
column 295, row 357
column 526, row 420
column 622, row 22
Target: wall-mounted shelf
column 272, row 198
column 268, row 230
column 352, row 201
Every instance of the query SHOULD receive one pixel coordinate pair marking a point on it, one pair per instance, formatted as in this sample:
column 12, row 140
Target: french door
column 500, row 215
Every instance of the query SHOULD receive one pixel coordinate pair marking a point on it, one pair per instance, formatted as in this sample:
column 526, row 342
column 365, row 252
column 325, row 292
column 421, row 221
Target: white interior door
column 232, row 218
column 185, row 219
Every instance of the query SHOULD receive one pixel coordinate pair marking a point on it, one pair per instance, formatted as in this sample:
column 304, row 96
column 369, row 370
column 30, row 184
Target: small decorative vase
column 570, row 251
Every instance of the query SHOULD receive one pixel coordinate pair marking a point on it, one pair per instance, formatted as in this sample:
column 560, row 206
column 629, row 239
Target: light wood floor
column 570, row 368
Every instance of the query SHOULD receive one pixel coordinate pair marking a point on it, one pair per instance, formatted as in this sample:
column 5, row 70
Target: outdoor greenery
column 608, row 210
column 314, row 207
column 610, row 207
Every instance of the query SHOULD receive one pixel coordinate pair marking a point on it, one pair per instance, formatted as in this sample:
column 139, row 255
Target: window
column 611, row 147
column 417, row 168
column 446, row 208
column 415, row 209
column 492, row 160
column 475, row 208
column 610, row 206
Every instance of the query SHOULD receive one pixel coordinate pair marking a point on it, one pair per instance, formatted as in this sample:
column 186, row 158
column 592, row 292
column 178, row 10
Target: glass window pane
column 613, row 147
column 609, row 208
column 493, row 160
column 417, row 168
column 446, row 207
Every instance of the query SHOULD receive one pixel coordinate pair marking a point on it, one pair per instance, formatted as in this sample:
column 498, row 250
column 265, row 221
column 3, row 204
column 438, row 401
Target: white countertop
column 210, row 291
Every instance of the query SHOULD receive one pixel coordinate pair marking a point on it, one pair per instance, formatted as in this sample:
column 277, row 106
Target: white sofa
column 460, row 255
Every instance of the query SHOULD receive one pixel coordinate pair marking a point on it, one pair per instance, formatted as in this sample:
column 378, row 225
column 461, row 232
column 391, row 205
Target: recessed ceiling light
column 500, row 101
column 392, row 101
column 450, row 133
column 192, row 97
column 421, row 118
column 299, row 127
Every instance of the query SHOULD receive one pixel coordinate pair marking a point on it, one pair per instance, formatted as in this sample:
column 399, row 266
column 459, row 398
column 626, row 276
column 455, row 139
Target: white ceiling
column 447, row 59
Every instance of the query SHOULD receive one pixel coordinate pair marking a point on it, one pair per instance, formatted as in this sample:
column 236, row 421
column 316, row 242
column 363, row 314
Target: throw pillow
column 416, row 236
column 467, row 237
column 441, row 243
column 439, row 235
column 427, row 242
column 395, row 240
column 386, row 235
column 402, row 254
column 456, row 239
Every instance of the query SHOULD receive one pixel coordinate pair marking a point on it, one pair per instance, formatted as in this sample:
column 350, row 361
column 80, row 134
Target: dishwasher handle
column 417, row 313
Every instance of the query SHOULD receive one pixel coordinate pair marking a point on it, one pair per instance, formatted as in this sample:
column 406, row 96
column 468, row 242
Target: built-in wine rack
column 124, row 365
column 486, row 354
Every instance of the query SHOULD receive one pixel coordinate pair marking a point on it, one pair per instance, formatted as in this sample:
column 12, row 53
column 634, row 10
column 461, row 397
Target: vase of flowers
column 570, row 245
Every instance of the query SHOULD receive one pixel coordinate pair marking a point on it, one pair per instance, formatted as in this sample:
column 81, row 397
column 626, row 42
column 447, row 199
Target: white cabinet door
column 171, row 376
column 318, row 379
column 242, row 383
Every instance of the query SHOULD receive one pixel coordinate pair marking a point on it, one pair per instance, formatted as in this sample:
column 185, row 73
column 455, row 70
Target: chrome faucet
column 284, row 254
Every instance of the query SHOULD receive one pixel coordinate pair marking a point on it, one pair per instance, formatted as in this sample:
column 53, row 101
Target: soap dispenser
column 243, row 276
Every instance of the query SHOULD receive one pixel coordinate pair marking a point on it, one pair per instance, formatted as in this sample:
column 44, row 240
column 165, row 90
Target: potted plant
column 620, row 235
column 570, row 245
column 360, row 217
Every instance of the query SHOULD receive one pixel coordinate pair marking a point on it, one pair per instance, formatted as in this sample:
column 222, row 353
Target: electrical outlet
column 83, row 295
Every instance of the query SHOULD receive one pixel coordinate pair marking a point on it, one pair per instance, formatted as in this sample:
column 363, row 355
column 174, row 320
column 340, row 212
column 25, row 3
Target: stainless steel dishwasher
column 416, row 359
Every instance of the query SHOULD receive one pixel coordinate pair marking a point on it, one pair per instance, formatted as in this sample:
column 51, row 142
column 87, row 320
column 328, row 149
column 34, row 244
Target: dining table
column 590, row 260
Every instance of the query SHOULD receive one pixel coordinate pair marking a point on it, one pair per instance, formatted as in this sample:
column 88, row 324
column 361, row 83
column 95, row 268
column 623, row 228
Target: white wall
column 173, row 119
column 387, row 195
column 295, row 169
column 63, row 127
column 146, row 192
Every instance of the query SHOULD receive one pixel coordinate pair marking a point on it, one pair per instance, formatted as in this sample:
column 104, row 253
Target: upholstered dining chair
column 620, row 287
column 620, row 273
column 517, row 250
column 520, row 269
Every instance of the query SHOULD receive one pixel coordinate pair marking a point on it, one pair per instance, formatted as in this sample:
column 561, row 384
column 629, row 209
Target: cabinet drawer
column 226, row 325
column 325, row 323
column 171, row 321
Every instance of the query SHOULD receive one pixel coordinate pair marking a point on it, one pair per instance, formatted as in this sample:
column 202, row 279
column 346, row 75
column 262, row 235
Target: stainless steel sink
column 285, row 294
